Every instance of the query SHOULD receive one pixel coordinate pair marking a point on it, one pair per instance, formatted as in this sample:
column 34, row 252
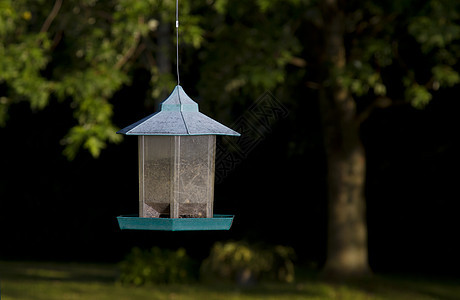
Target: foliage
column 80, row 52
column 437, row 30
column 262, row 45
column 157, row 266
column 380, row 38
column 245, row 263
column 83, row 52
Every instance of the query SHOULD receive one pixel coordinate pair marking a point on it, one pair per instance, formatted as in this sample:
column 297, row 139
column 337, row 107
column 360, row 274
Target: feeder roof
column 179, row 115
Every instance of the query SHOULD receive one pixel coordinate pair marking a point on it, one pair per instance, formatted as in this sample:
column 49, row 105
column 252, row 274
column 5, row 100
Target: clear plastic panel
column 196, row 176
column 176, row 176
column 156, row 157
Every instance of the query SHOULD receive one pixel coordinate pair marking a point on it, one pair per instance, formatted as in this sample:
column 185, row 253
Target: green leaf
column 220, row 6
column 446, row 75
column 438, row 27
column 418, row 95
column 94, row 145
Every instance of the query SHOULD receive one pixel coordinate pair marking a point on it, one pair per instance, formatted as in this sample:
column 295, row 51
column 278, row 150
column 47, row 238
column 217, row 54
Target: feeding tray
column 134, row 222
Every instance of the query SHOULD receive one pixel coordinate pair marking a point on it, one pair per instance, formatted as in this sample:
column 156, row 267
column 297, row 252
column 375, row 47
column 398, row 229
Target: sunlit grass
column 52, row 281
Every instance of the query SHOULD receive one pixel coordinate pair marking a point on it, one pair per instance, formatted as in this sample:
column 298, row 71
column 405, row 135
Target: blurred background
column 73, row 72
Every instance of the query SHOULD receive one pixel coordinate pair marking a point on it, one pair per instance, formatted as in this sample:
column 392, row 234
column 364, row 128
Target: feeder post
column 175, row 180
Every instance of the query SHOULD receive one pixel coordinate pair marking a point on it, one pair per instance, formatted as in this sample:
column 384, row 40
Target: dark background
column 53, row 209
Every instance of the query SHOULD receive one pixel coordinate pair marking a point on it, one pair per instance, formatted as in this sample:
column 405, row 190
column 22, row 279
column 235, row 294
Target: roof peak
column 178, row 100
column 178, row 115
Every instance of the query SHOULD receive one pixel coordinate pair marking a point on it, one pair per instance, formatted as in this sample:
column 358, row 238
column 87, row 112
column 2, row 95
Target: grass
column 54, row 281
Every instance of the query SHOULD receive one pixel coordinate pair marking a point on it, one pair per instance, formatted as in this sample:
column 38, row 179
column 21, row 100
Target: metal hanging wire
column 177, row 41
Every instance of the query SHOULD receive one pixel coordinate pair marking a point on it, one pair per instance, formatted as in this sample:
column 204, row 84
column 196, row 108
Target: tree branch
column 298, row 62
column 132, row 50
column 46, row 25
column 129, row 53
column 379, row 102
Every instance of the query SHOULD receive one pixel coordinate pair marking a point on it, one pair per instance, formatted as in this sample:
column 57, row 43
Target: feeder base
column 133, row 222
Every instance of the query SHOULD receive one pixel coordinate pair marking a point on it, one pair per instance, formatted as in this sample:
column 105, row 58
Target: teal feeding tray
column 133, row 222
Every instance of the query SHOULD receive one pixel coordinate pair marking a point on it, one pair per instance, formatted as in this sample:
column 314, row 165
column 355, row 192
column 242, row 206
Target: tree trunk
column 347, row 253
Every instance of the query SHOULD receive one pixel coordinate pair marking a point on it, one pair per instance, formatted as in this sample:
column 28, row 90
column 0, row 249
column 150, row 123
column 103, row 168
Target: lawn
column 55, row 281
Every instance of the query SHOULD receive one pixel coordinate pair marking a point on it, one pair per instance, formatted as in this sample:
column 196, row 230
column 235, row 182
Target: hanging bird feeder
column 177, row 150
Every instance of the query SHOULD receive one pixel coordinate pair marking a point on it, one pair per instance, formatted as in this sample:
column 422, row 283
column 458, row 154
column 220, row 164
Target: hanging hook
column 177, row 41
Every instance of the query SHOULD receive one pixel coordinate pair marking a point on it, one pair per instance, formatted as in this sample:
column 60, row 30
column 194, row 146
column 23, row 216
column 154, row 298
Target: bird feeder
column 177, row 150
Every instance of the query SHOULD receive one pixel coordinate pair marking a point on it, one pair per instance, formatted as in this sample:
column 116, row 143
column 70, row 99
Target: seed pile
column 192, row 193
